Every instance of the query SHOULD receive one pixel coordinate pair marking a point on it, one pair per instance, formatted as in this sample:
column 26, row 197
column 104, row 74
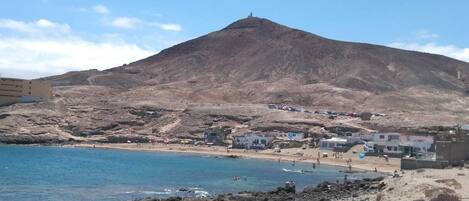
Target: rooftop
column 335, row 139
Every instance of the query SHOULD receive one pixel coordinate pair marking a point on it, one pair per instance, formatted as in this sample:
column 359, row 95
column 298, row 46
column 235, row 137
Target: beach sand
column 308, row 155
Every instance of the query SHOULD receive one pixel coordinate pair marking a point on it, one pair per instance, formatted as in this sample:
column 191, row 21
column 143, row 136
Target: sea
column 46, row 173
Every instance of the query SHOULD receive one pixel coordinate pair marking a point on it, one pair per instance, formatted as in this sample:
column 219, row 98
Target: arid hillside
column 228, row 77
column 255, row 49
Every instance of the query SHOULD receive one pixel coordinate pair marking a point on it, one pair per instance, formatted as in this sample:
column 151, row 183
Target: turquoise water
column 55, row 173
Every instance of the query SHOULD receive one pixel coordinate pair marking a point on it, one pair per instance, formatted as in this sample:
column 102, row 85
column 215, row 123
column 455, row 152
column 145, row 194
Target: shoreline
column 421, row 184
column 357, row 165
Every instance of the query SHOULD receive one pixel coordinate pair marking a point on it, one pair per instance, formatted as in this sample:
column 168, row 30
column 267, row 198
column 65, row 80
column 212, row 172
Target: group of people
column 337, row 155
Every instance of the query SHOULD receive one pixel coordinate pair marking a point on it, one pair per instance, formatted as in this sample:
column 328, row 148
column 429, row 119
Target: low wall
column 412, row 164
column 390, row 155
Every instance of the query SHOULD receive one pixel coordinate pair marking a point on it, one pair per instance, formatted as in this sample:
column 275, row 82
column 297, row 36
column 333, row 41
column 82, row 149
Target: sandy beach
column 308, row 155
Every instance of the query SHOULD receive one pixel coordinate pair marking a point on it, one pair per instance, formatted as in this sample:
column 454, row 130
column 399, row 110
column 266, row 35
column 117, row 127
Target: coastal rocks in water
column 322, row 192
column 232, row 156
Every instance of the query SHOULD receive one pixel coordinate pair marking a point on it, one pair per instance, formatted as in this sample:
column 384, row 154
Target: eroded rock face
column 76, row 116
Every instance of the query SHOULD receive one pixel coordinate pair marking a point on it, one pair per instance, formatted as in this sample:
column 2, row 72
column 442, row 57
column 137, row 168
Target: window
column 381, row 137
column 393, row 137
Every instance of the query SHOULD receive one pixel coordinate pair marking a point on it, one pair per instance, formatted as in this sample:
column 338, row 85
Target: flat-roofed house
column 216, row 135
column 396, row 144
column 332, row 143
column 384, row 143
column 253, row 140
column 14, row 90
column 412, row 144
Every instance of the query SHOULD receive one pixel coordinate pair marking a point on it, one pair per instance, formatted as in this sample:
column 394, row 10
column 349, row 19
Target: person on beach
column 314, row 165
column 350, row 167
column 279, row 160
column 293, row 164
column 345, row 178
column 376, row 170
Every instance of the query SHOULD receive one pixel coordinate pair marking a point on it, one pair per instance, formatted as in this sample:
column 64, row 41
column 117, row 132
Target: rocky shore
column 416, row 185
column 322, row 192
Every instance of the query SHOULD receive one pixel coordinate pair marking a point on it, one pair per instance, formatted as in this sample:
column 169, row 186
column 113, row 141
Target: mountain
column 255, row 49
column 226, row 78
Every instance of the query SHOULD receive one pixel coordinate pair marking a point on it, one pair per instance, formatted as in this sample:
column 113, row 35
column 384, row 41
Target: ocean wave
column 201, row 194
column 164, row 192
column 301, row 171
column 289, row 170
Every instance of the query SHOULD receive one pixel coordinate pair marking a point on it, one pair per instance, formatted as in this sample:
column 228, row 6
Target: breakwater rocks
column 325, row 191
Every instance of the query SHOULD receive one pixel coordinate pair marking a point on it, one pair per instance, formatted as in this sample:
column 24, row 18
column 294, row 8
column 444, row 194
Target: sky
column 49, row 37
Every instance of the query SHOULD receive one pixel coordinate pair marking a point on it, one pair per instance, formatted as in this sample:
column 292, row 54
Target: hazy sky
column 47, row 37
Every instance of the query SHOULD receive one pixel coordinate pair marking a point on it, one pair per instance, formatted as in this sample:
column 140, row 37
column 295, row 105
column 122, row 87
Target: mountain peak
column 252, row 23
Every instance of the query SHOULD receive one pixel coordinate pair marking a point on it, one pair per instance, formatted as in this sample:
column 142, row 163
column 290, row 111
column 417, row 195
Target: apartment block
column 14, row 90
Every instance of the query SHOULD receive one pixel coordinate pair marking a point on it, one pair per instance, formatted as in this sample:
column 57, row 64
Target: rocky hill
column 256, row 49
column 228, row 76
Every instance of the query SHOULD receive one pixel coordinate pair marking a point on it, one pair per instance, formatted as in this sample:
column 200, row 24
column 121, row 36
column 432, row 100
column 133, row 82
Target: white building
column 330, row 144
column 354, row 138
column 387, row 143
column 253, row 140
column 395, row 143
column 421, row 144
column 295, row 136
